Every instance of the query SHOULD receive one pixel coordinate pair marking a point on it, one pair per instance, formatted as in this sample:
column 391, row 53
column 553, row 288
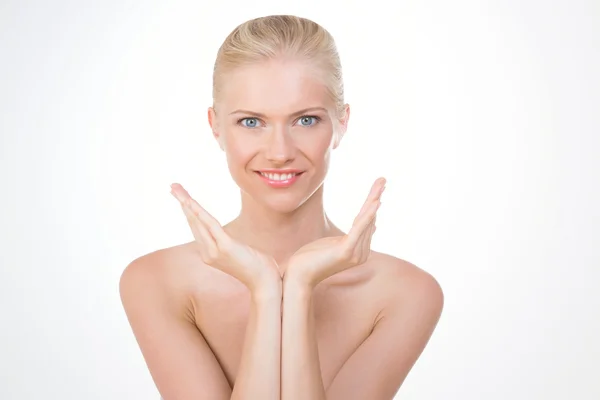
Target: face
column 277, row 125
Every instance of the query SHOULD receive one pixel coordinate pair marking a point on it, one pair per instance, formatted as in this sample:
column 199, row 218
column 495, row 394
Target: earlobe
column 337, row 138
column 212, row 121
column 342, row 126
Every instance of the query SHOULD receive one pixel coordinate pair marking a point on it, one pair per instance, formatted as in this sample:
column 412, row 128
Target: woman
column 279, row 303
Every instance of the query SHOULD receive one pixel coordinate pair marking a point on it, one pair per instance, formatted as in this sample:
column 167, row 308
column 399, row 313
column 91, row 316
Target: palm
column 324, row 257
column 244, row 255
column 317, row 252
column 217, row 249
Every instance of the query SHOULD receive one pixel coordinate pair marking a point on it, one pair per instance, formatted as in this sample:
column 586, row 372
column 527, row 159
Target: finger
column 204, row 216
column 369, row 234
column 203, row 237
column 373, row 225
column 361, row 223
column 371, row 196
column 364, row 242
column 210, row 223
column 374, row 194
column 374, row 197
column 362, row 248
column 198, row 228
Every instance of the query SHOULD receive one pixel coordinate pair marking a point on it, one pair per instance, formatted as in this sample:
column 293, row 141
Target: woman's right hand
column 259, row 272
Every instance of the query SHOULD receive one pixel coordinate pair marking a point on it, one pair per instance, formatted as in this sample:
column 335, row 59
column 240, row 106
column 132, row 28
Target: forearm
column 300, row 368
column 259, row 374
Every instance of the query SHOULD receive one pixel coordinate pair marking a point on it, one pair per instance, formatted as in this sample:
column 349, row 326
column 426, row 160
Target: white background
column 484, row 117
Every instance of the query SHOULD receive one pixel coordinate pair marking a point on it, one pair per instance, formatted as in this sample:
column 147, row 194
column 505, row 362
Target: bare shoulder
column 157, row 292
column 404, row 284
column 172, row 273
column 409, row 302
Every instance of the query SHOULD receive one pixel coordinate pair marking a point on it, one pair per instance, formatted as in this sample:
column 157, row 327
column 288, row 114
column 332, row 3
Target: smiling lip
column 280, row 170
column 273, row 177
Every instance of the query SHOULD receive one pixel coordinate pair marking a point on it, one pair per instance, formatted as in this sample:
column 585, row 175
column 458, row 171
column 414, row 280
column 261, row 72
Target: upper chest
column 344, row 312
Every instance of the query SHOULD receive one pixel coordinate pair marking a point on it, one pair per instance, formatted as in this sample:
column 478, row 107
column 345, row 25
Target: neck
column 281, row 234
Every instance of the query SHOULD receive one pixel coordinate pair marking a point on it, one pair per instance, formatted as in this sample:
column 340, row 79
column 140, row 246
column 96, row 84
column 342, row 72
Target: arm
column 300, row 368
column 311, row 264
column 259, row 373
column 380, row 364
column 180, row 361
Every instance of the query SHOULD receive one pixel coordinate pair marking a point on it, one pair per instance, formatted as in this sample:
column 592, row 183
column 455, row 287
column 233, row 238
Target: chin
column 282, row 204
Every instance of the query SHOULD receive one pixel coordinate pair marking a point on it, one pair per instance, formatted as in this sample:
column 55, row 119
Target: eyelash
column 317, row 120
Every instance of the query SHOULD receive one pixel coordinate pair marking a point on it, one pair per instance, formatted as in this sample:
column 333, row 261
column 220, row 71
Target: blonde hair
column 266, row 38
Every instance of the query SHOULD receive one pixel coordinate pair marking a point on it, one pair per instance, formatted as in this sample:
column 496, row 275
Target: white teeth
column 277, row 177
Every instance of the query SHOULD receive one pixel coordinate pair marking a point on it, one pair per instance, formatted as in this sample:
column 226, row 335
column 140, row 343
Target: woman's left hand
column 328, row 256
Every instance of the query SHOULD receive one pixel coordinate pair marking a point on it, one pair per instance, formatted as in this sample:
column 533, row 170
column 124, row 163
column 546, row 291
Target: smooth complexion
column 257, row 308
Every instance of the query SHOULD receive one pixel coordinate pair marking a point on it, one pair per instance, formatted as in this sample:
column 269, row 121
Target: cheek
column 317, row 146
column 238, row 150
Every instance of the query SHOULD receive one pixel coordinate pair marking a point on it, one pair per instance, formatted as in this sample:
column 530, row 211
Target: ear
column 342, row 126
column 212, row 121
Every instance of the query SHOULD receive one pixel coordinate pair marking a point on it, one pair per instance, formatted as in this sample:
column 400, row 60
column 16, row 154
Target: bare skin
column 279, row 303
column 347, row 305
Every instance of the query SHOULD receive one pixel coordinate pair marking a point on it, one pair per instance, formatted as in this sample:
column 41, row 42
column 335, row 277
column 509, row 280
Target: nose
column 280, row 148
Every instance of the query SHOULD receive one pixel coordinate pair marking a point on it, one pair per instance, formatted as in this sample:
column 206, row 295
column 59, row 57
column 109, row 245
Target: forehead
column 275, row 87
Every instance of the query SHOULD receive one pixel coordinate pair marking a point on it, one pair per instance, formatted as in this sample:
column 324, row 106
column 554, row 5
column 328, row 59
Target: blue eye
column 308, row 120
column 249, row 122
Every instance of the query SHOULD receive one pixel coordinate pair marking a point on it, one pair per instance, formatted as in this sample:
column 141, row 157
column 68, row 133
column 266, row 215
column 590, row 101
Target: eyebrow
column 301, row 112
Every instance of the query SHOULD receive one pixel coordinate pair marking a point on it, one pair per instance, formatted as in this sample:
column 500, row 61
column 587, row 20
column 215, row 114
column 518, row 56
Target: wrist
column 267, row 290
column 297, row 283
